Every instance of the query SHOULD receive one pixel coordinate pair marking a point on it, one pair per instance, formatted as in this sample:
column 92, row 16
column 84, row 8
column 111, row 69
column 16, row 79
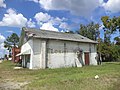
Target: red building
column 15, row 51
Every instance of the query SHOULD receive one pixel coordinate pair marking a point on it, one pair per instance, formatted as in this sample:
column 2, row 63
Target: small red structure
column 15, row 51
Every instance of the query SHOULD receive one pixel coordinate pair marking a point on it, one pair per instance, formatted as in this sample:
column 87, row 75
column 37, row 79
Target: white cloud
column 30, row 23
column 64, row 25
column 11, row 11
column 42, row 17
column 77, row 7
column 2, row 49
column 57, row 20
column 112, row 5
column 101, row 2
column 2, row 4
column 13, row 19
column 10, row 31
column 48, row 26
column 2, row 46
column 2, row 38
column 46, row 21
column 37, row 1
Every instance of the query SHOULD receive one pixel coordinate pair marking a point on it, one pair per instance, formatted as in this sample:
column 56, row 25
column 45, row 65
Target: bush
column 109, row 52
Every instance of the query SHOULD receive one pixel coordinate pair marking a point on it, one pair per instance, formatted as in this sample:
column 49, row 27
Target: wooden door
column 86, row 58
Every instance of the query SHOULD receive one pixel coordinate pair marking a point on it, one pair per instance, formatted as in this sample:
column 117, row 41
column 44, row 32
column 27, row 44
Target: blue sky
column 54, row 15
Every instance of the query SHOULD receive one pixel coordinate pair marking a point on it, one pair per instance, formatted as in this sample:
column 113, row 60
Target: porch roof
column 24, row 53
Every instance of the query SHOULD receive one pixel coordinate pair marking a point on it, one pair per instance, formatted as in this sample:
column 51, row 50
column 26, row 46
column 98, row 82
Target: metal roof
column 47, row 34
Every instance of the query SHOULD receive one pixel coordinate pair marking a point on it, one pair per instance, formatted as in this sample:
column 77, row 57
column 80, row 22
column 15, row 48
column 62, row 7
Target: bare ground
column 12, row 85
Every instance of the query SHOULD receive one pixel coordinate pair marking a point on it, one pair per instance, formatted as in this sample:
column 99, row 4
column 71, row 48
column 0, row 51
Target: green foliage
column 109, row 50
column 109, row 53
column 117, row 40
column 11, row 40
column 115, row 52
column 111, row 25
column 107, row 29
column 91, row 30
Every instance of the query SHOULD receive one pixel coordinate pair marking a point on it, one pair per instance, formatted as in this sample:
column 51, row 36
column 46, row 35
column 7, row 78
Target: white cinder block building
column 42, row 49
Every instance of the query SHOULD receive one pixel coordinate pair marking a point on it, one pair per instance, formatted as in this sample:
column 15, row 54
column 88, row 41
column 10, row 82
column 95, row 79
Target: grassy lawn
column 64, row 78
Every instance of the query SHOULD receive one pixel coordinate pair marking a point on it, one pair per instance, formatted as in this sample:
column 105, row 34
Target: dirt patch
column 10, row 85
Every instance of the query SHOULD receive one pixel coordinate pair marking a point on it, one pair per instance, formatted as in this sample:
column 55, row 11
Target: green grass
column 65, row 78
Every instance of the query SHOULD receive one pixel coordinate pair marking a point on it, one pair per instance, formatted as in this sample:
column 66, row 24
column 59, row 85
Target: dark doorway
column 86, row 58
column 26, row 60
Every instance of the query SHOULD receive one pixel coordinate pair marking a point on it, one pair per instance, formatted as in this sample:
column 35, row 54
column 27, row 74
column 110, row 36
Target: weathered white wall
column 43, row 54
column 51, row 53
column 39, row 54
column 36, row 54
column 28, row 46
column 93, row 60
column 57, row 58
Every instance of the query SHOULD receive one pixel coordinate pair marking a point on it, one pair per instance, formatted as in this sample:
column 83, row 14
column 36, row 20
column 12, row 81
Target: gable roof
column 46, row 34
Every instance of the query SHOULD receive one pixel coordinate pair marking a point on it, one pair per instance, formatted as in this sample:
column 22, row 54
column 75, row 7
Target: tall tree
column 118, row 24
column 11, row 41
column 109, row 50
column 111, row 25
column 107, row 29
column 91, row 30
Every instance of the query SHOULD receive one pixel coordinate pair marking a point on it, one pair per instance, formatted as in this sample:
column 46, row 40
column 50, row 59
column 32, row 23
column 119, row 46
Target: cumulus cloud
column 48, row 26
column 30, row 23
column 2, row 38
column 42, row 17
column 64, row 25
column 2, row 46
column 76, row 7
column 46, row 21
column 112, row 5
column 13, row 19
column 2, row 49
column 57, row 20
column 11, row 11
column 2, row 4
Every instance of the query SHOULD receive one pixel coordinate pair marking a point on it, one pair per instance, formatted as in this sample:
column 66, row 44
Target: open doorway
column 26, row 61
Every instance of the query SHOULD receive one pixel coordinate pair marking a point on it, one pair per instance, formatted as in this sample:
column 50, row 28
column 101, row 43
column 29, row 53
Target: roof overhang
column 92, row 42
column 24, row 53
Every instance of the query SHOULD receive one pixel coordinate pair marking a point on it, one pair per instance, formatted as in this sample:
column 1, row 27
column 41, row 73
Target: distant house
column 42, row 49
column 15, row 51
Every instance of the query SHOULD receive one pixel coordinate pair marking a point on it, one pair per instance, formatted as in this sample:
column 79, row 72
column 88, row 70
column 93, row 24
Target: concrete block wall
column 57, row 53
